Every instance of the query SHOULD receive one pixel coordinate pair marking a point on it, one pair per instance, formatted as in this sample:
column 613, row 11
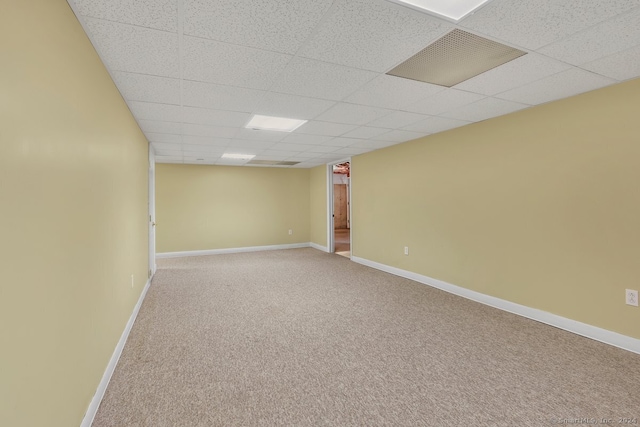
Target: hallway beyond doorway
column 342, row 242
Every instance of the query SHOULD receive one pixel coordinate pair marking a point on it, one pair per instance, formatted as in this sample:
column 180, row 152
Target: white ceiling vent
column 272, row 163
column 454, row 58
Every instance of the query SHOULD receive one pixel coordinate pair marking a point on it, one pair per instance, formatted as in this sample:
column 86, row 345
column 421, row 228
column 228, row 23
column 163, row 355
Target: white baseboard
column 232, row 250
column 102, row 387
column 589, row 331
column 318, row 247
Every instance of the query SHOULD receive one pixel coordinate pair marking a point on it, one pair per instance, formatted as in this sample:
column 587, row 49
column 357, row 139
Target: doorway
column 340, row 208
column 152, row 212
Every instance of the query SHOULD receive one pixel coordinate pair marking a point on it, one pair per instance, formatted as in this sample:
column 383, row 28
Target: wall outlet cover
column 631, row 297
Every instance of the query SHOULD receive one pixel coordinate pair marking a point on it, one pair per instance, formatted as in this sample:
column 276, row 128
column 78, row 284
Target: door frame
column 152, row 212
column 331, row 244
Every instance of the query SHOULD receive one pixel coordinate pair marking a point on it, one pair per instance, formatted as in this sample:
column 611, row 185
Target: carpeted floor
column 304, row 338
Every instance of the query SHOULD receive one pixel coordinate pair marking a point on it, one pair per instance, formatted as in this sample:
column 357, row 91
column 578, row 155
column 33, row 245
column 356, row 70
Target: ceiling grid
column 193, row 72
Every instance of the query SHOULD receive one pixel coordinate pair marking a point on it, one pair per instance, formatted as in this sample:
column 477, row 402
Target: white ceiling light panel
column 451, row 10
column 280, row 124
column 237, row 156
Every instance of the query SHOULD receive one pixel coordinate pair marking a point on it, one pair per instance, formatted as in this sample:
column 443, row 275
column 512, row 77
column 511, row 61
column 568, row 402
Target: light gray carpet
column 304, row 338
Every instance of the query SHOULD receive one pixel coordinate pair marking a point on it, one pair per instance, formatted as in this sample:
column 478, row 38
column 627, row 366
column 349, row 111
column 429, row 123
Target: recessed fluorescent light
column 281, row 124
column 238, row 156
column 453, row 10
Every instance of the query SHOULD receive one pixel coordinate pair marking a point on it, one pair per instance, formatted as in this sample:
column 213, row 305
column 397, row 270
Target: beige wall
column 318, row 196
column 541, row 207
column 73, row 228
column 201, row 207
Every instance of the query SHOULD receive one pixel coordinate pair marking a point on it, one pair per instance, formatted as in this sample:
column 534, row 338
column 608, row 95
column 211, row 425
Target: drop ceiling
column 193, row 72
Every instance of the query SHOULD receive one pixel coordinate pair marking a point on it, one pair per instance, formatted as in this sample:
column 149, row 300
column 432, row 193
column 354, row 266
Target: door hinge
column 149, row 277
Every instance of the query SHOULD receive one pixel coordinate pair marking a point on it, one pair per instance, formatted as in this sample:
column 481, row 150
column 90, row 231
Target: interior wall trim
column 605, row 336
column 232, row 250
column 318, row 247
column 106, row 377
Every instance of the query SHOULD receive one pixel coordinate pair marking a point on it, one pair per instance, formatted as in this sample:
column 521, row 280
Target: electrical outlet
column 406, row 250
column 631, row 297
column 132, row 281
column 290, row 232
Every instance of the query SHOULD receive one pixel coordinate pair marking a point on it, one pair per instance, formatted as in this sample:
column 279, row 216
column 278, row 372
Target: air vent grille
column 454, row 58
column 272, row 163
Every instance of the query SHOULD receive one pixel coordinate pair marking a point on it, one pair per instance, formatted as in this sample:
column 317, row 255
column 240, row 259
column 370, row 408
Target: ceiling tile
column 596, row 42
column 342, row 142
column 399, row 136
column 205, row 116
column 352, row 151
column 298, row 138
column 352, row 114
column 365, row 132
column 289, row 147
column 303, row 156
column 199, row 148
column 277, row 25
column 520, row 71
column 291, row 106
column 142, row 87
column 328, row 157
column 169, row 159
column 392, row 92
column 435, row 125
column 397, row 119
column 261, row 135
column 322, row 148
column 222, row 63
column 307, row 165
column 484, row 109
column 244, row 150
column 165, row 152
column 372, row 34
column 219, row 97
column 315, row 79
column 160, row 14
column 205, row 140
column 213, row 131
column 251, row 144
column 154, row 111
column 620, row 66
column 160, row 127
column 536, row 23
column 166, row 146
column 163, row 137
column 371, row 145
column 324, row 128
column 135, row 49
column 282, row 154
column 443, row 101
column 561, row 85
